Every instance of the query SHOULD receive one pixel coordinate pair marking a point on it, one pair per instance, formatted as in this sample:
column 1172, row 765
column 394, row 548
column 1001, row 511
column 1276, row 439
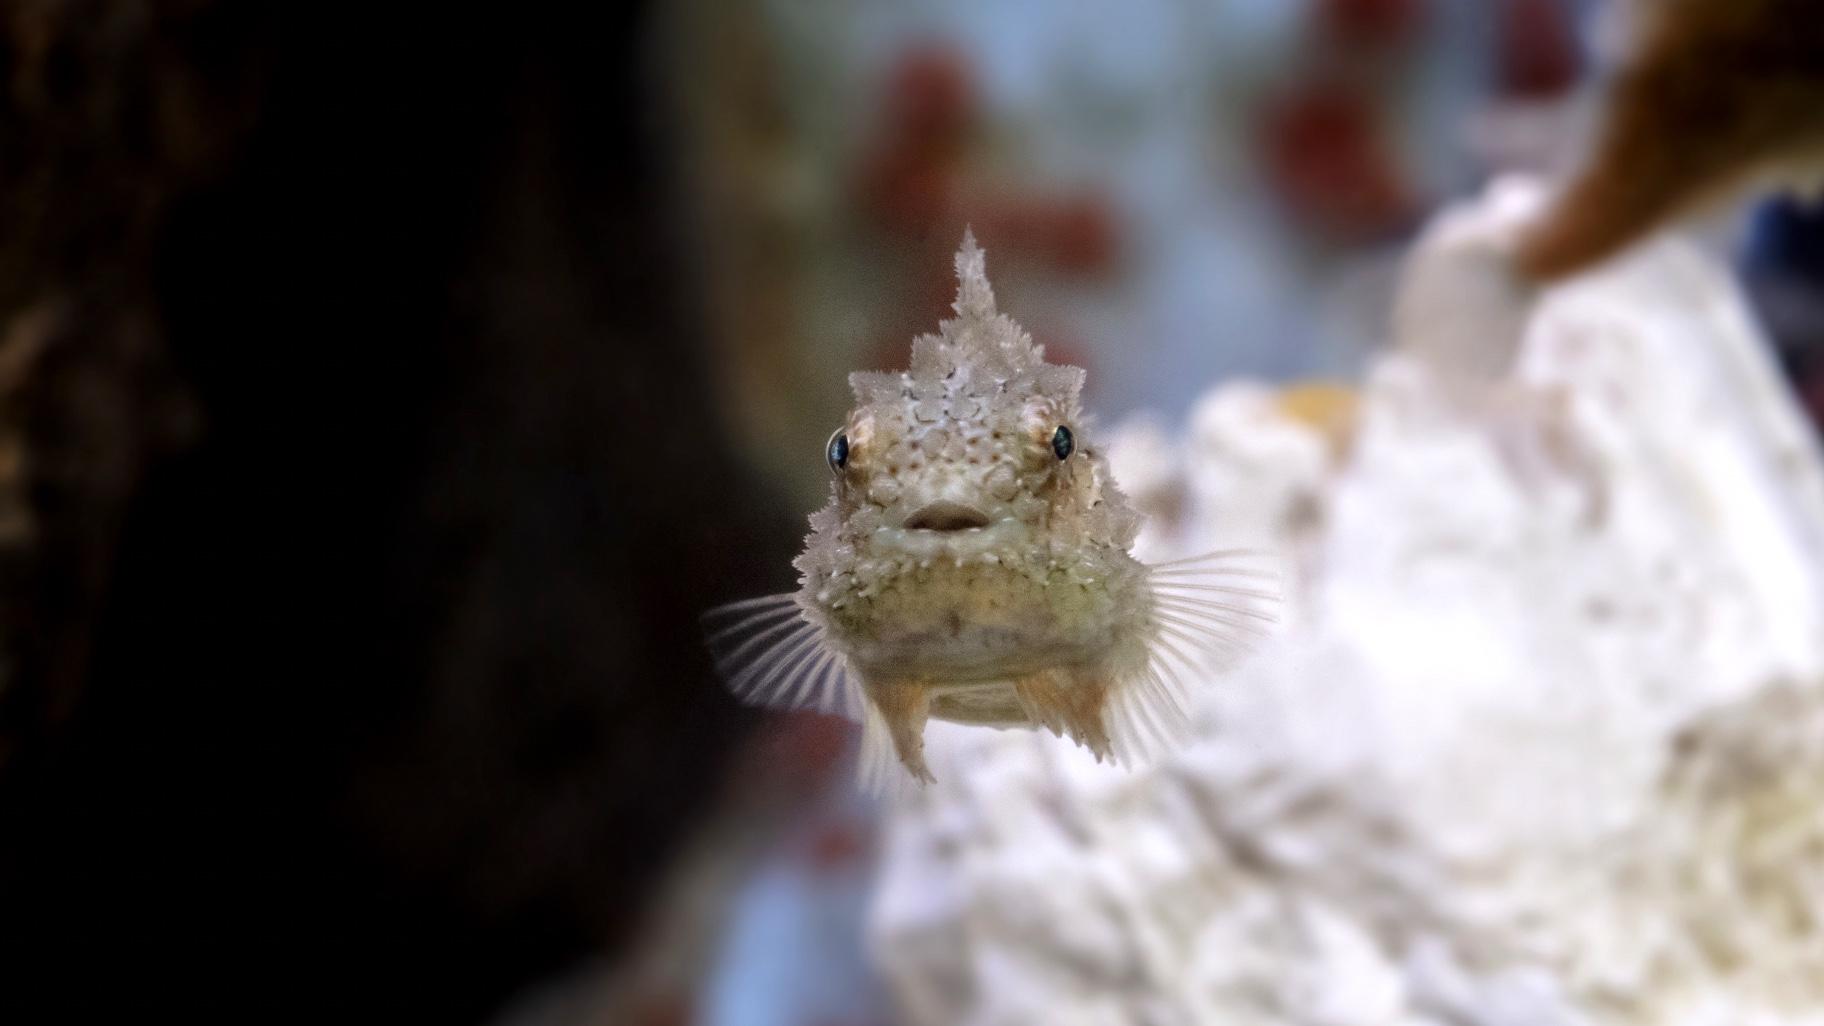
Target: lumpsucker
column 973, row 564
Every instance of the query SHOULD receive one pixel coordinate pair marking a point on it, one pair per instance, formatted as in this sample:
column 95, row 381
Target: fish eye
column 837, row 451
column 1063, row 443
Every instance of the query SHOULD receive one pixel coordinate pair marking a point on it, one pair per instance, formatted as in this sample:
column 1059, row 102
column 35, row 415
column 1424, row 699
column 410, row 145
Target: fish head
column 970, row 507
column 962, row 460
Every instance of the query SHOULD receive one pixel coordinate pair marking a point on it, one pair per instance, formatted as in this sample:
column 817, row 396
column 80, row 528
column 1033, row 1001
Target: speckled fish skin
column 973, row 561
column 1043, row 592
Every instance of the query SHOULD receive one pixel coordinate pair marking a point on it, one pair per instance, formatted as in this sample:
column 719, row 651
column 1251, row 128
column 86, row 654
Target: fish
column 974, row 564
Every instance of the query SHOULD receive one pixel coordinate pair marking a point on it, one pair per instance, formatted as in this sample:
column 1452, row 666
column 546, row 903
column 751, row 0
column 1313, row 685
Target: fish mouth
column 952, row 530
column 945, row 516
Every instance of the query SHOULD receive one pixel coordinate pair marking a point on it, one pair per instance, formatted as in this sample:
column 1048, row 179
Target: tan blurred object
column 1328, row 409
column 1718, row 96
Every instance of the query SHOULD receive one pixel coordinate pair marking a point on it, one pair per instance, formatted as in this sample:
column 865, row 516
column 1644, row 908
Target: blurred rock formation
column 1538, row 745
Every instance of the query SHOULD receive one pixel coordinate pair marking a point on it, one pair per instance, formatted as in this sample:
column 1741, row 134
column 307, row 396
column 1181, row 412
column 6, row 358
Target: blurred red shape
column 668, row 1009
column 1075, row 233
column 1537, row 56
column 915, row 181
column 928, row 106
column 816, row 743
column 1811, row 396
column 1330, row 161
column 1377, row 23
column 836, row 846
column 930, row 94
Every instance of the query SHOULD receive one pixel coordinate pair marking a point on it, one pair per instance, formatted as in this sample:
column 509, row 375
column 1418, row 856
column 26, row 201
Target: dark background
column 361, row 491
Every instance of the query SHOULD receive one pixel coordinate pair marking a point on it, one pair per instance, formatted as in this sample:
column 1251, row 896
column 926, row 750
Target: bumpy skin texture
column 963, row 569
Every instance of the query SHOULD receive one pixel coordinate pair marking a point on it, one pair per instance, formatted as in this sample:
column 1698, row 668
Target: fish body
column 973, row 564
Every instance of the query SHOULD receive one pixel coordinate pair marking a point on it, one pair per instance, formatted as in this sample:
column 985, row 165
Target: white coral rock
column 1542, row 742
